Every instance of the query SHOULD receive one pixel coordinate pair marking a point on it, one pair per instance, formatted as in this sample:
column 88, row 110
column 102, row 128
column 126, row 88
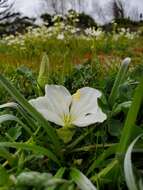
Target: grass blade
column 128, row 169
column 96, row 163
column 9, row 117
column 31, row 147
column 9, row 105
column 51, row 132
column 6, row 155
column 58, row 175
column 81, row 180
column 127, row 131
column 110, row 168
column 131, row 119
column 119, row 80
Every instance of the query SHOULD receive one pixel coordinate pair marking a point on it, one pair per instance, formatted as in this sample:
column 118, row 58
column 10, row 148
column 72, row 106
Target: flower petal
column 55, row 104
column 84, row 101
column 85, row 109
column 59, row 99
column 41, row 105
column 92, row 118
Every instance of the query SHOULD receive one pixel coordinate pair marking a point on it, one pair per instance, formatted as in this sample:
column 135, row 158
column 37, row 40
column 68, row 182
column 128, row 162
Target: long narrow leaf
column 119, row 80
column 97, row 162
column 81, row 180
column 31, row 110
column 34, row 148
column 6, row 155
column 128, row 169
column 9, row 117
column 131, row 119
column 14, row 105
column 58, row 175
column 127, row 130
column 9, row 105
column 108, row 169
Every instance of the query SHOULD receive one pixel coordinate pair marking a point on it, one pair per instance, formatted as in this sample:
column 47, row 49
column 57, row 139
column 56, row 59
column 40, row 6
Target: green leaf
column 32, row 111
column 131, row 119
column 114, row 127
column 121, row 107
column 60, row 172
column 58, row 175
column 6, row 155
column 14, row 105
column 4, row 177
column 14, row 132
column 33, row 178
column 39, row 180
column 140, row 184
column 81, row 180
column 9, row 117
column 109, row 170
column 97, row 162
column 25, row 71
column 119, row 80
column 31, row 147
column 128, row 169
column 9, row 105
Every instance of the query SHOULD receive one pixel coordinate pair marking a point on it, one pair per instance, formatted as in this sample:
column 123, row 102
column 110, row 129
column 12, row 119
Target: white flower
column 59, row 106
column 60, row 37
column 94, row 33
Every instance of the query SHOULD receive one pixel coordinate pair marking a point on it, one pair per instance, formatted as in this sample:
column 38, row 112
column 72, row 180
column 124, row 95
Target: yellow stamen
column 67, row 120
column 77, row 95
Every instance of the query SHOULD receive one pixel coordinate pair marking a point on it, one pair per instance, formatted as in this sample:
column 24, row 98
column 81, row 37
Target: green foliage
column 31, row 154
column 133, row 182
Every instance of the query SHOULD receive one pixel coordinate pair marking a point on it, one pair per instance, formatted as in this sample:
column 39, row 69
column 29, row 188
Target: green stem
column 119, row 80
column 92, row 147
column 79, row 139
column 105, row 171
column 131, row 119
column 51, row 132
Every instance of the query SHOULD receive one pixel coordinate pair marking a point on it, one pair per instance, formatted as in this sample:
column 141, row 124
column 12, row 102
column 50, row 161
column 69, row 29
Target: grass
column 72, row 51
column 32, row 156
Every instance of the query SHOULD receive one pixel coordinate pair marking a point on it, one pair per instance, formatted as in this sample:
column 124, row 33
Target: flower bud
column 126, row 61
column 44, row 72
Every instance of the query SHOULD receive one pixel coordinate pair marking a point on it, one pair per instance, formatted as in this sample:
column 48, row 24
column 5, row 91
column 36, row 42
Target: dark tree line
column 118, row 9
column 6, row 12
column 11, row 21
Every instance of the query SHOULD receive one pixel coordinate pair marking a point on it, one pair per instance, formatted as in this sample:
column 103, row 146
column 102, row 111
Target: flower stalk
column 121, row 76
column 131, row 119
column 44, row 72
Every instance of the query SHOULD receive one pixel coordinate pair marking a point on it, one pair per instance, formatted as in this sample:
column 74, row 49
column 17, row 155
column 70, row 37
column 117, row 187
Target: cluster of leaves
column 33, row 157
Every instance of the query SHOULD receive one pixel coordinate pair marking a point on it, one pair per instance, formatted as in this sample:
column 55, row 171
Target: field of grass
column 89, row 148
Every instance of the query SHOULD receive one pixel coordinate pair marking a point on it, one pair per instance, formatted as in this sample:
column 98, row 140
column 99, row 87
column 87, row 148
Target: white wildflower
column 59, row 106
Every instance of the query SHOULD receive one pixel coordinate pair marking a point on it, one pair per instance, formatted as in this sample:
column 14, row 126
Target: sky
column 34, row 8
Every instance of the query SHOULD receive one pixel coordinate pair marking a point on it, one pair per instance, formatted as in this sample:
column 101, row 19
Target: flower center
column 77, row 95
column 67, row 120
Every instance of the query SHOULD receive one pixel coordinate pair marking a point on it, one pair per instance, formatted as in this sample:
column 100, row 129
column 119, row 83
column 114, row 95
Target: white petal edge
column 9, row 105
column 59, row 99
column 41, row 105
column 87, row 120
column 87, row 102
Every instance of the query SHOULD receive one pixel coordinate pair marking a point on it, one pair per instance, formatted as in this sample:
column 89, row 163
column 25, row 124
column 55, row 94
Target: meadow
column 85, row 129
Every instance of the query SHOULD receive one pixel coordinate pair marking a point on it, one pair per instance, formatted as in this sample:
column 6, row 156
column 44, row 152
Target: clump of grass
column 32, row 156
